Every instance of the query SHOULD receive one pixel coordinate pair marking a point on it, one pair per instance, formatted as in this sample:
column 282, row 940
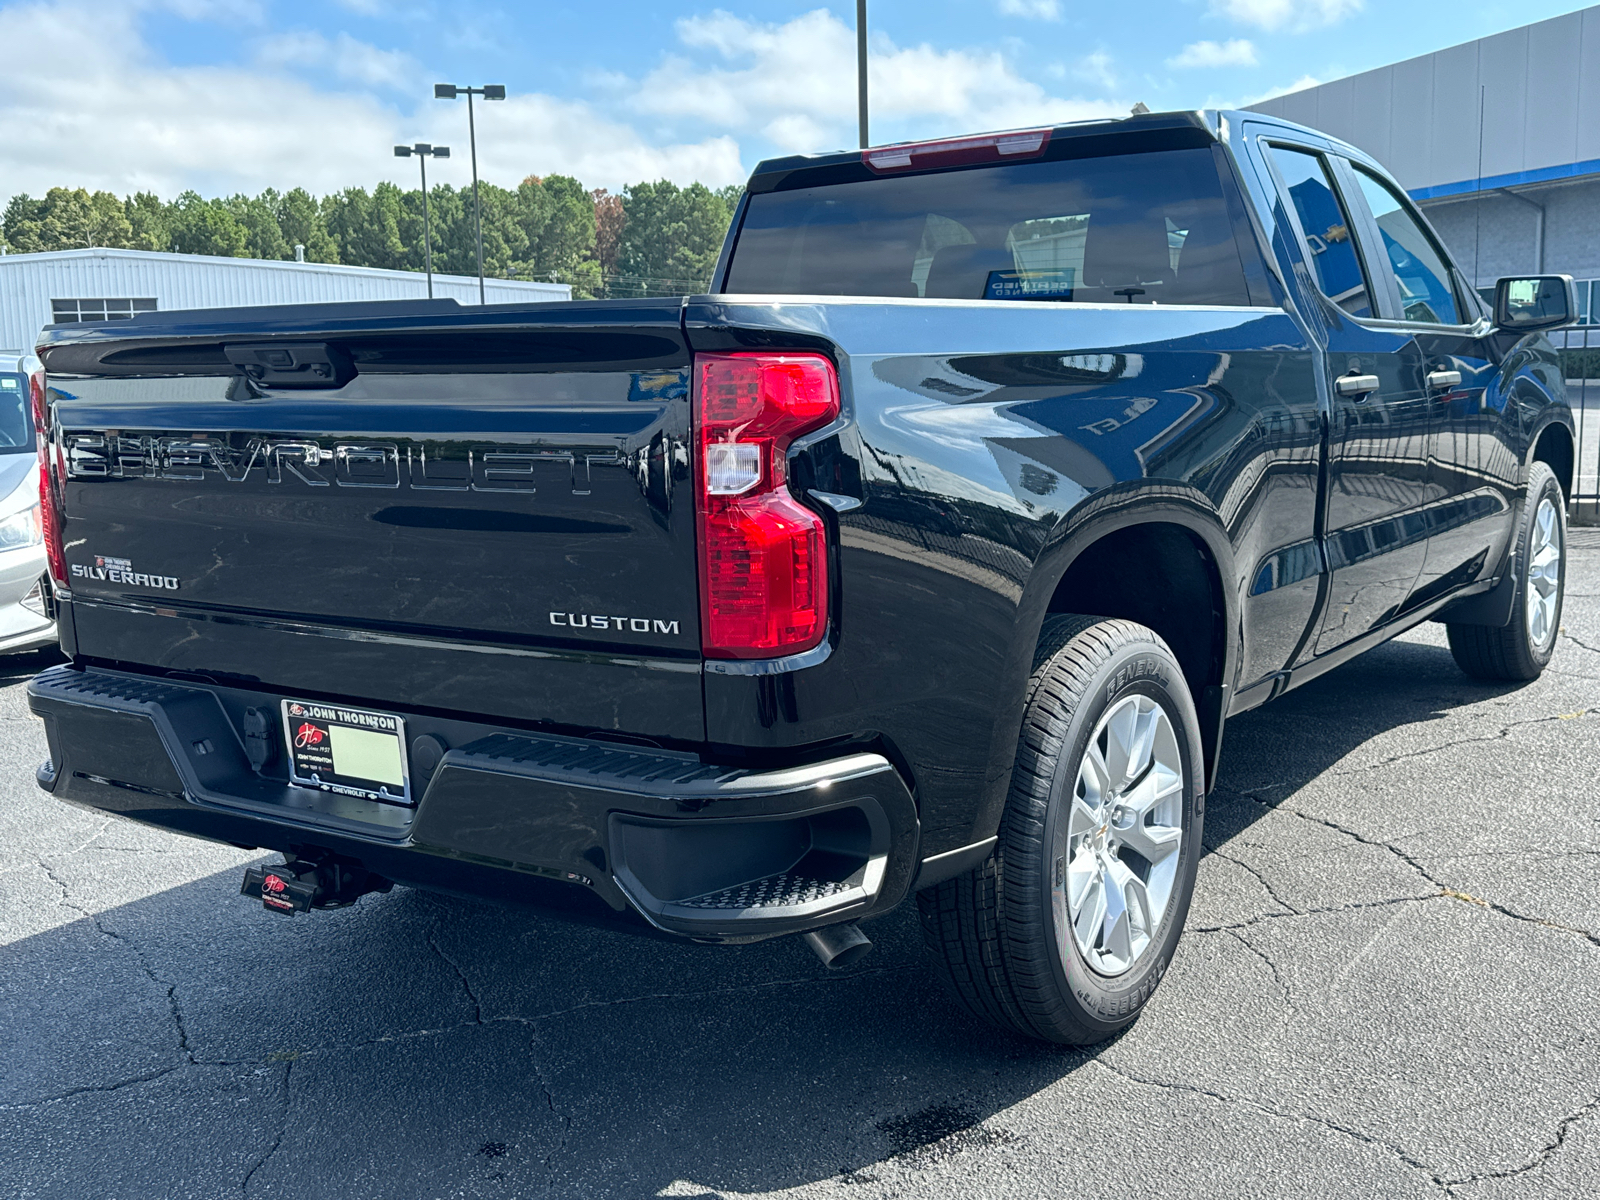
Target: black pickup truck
column 929, row 552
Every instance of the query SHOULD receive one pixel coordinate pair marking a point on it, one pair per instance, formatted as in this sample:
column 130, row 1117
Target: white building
column 1518, row 191
column 1498, row 141
column 98, row 285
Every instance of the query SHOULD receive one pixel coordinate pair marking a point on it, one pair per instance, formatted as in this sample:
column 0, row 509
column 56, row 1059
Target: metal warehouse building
column 1518, row 193
column 1498, row 141
column 98, row 285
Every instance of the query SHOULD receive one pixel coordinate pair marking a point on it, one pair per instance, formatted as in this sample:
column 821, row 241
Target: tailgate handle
column 292, row 364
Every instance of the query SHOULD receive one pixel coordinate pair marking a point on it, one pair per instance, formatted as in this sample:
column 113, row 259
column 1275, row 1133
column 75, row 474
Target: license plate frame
column 309, row 730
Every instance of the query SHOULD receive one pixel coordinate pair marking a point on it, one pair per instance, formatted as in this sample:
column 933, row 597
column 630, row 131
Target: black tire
column 994, row 930
column 1512, row 653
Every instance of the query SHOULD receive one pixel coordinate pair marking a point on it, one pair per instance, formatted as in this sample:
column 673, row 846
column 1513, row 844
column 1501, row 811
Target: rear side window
column 1425, row 292
column 1327, row 229
column 16, row 421
column 1125, row 229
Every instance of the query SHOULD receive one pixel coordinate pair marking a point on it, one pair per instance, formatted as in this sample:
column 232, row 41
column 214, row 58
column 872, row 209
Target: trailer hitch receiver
column 302, row 884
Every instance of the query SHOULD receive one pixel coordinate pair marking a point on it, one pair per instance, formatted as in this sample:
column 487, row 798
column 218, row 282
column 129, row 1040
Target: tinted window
column 1134, row 229
column 1425, row 291
column 1327, row 230
column 16, row 423
column 69, row 311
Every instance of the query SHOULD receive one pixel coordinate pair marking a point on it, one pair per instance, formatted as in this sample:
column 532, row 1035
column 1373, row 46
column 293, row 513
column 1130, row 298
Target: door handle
column 1356, row 385
column 1444, row 379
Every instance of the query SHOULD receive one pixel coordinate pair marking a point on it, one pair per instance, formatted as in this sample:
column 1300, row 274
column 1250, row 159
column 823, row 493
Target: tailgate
column 482, row 510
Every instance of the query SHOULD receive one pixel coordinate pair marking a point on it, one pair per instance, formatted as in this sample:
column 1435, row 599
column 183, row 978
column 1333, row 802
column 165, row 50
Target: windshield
column 16, row 426
column 1133, row 228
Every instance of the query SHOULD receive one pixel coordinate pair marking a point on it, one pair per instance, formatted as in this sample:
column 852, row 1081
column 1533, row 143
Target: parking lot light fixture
column 491, row 91
column 861, row 71
column 423, row 151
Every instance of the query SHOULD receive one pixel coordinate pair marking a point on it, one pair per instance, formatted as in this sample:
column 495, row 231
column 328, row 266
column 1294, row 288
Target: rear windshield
column 1128, row 229
column 16, row 425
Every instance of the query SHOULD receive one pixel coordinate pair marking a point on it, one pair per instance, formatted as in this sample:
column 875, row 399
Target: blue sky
column 236, row 95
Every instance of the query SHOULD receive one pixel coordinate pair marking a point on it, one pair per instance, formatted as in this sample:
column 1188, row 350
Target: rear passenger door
column 1375, row 533
column 1473, row 467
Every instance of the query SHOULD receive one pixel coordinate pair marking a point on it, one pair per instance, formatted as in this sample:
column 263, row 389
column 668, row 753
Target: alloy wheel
column 1544, row 574
column 1116, row 863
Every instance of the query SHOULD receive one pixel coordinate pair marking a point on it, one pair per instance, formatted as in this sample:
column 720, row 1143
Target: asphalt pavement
column 1390, row 986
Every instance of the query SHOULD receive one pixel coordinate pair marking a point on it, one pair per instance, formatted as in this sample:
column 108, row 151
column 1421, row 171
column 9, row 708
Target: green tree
column 451, row 214
column 672, row 237
column 505, row 241
column 201, row 226
column 107, row 223
column 67, row 219
column 258, row 215
column 147, row 218
column 557, row 216
column 367, row 227
column 666, row 237
column 534, row 204
column 568, row 238
column 301, row 222
column 21, row 227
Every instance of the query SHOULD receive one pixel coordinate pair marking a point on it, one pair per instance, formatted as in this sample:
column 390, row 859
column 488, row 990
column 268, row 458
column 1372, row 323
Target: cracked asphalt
column 1390, row 986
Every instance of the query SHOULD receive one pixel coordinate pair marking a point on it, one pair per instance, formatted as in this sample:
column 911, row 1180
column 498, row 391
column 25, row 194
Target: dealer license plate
column 352, row 751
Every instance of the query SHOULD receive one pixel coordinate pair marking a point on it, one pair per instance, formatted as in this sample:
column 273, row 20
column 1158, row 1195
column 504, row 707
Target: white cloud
column 234, row 12
column 1299, row 85
column 796, row 82
column 90, row 105
column 1294, row 16
column 795, row 131
column 1236, row 52
column 1038, row 10
column 349, row 59
column 546, row 136
column 1096, row 69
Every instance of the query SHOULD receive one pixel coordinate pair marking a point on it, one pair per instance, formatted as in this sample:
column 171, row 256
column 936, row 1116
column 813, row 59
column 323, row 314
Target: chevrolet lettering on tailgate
column 306, row 461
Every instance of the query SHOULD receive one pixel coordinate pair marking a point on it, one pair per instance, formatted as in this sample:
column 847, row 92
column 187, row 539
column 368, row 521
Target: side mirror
column 1523, row 304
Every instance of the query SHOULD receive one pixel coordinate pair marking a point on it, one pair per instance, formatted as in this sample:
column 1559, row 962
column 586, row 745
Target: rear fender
column 1142, row 502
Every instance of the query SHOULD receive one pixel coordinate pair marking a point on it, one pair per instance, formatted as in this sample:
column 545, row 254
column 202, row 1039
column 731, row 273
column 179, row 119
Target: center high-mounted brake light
column 958, row 152
column 49, row 490
column 763, row 555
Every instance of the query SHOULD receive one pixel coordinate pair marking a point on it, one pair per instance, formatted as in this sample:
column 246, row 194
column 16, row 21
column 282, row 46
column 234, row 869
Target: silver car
column 24, row 623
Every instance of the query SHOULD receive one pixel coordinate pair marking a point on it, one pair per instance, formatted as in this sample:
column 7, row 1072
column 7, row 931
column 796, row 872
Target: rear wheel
column 1065, row 931
column 1520, row 650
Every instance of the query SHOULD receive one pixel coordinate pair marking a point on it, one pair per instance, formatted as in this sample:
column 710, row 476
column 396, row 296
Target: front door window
column 1425, row 292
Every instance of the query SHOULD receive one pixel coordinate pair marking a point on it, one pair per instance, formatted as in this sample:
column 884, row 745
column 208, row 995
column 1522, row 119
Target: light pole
column 861, row 69
column 423, row 151
column 490, row 91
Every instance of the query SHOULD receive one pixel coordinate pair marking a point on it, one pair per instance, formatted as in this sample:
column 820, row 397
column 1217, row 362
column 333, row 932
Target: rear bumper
column 704, row 851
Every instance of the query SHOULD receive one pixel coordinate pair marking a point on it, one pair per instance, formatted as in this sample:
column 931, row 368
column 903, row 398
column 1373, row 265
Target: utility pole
column 861, row 69
column 422, row 150
column 490, row 91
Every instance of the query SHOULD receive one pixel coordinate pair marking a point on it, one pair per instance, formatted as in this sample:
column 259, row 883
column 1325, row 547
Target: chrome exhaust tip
column 839, row 945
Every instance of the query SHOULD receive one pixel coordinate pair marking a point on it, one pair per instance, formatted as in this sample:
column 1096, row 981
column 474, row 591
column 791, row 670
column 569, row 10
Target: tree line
column 649, row 239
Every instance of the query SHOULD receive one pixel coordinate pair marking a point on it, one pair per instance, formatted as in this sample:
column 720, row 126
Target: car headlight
column 21, row 529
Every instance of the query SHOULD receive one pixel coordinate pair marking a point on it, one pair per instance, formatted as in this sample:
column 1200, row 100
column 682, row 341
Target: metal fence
column 1581, row 362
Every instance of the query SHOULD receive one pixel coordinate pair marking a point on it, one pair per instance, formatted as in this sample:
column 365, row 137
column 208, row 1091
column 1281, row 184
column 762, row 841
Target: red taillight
column 763, row 555
column 958, row 152
column 49, row 489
